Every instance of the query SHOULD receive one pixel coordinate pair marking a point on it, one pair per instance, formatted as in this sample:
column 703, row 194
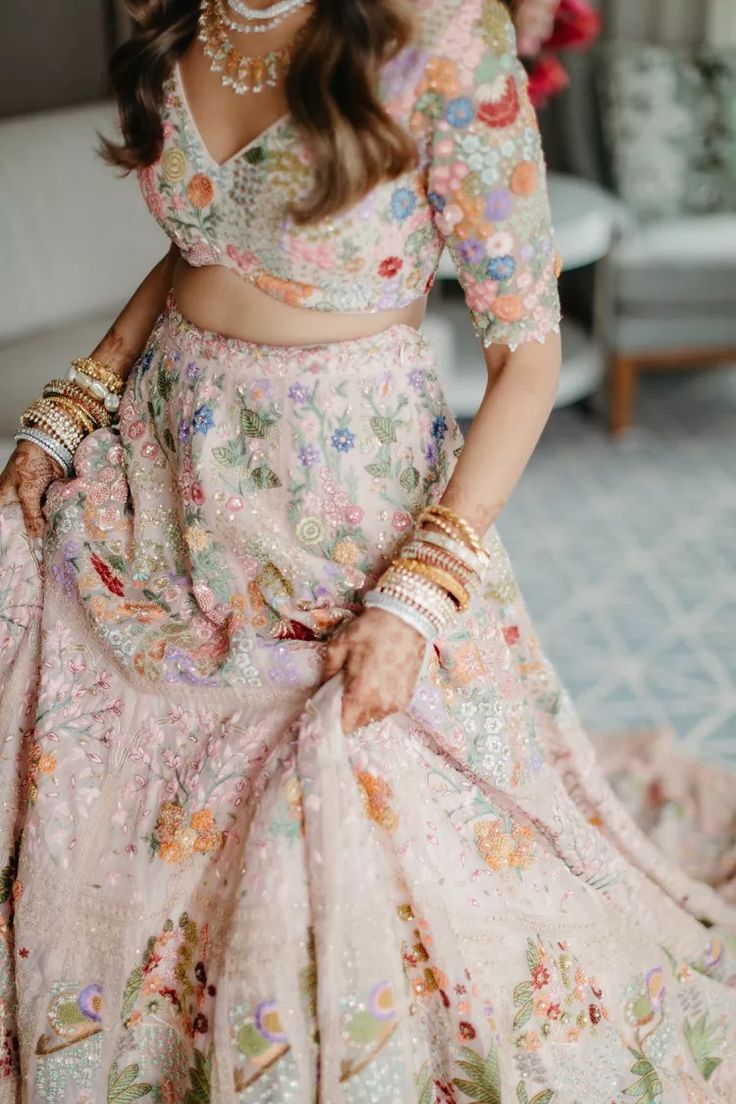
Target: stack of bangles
column 434, row 575
column 72, row 408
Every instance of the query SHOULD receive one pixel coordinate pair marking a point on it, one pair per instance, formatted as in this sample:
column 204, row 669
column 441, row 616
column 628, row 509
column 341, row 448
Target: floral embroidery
column 504, row 849
column 376, row 797
column 171, row 982
column 73, row 1015
column 173, row 840
column 462, row 94
column 559, row 999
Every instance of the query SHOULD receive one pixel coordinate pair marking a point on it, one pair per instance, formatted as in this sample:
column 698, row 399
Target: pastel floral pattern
column 210, row 892
column 462, row 94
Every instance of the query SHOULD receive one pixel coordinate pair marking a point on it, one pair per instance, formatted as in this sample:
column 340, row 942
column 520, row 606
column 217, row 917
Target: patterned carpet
column 626, row 553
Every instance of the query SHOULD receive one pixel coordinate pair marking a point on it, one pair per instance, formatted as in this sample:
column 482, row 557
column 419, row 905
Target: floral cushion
column 662, row 118
column 723, row 67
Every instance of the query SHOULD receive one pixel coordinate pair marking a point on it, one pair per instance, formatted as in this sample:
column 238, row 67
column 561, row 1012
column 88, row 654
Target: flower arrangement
column 546, row 27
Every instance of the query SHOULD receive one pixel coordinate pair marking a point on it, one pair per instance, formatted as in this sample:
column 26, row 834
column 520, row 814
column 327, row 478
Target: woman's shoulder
column 459, row 29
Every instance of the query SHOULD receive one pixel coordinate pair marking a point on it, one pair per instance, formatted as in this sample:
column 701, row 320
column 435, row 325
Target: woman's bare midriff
column 216, row 299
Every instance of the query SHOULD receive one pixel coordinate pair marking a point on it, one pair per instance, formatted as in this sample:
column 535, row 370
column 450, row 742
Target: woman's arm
column 521, row 391
column 125, row 340
column 30, row 470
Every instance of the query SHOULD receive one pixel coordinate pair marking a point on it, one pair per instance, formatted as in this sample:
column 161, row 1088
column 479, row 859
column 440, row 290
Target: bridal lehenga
column 212, row 894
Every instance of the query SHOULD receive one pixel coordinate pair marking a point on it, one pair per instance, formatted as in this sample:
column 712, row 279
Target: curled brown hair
column 332, row 92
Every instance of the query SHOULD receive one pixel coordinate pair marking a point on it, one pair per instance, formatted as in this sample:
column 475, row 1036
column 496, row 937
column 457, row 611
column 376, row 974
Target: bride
column 294, row 807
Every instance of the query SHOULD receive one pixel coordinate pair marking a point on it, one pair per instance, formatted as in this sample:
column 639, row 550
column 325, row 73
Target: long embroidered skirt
column 211, row 894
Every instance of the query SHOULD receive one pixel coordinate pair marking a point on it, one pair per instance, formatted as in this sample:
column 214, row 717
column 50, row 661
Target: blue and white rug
column 626, row 554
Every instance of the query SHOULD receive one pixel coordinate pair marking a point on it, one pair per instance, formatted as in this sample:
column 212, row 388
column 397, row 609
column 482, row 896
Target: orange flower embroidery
column 501, row 850
column 376, row 795
column 201, row 190
column 525, row 179
column 508, row 308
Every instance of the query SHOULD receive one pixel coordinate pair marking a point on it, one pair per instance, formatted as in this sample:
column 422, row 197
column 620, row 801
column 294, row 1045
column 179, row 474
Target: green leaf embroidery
column 117, row 563
column 648, row 1087
column 483, row 1084
column 521, row 1093
column 130, row 994
column 409, row 479
column 252, row 424
column 523, row 993
column 200, row 1089
column 532, row 954
column 164, row 383
column 226, row 456
column 121, row 1087
column 424, row 1085
column 380, row 470
column 264, row 478
column 542, row 1097
column 384, row 429
column 703, row 1038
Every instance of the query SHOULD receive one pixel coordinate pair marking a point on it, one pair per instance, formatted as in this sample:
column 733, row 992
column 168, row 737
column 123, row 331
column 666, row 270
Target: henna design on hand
column 381, row 659
column 25, row 479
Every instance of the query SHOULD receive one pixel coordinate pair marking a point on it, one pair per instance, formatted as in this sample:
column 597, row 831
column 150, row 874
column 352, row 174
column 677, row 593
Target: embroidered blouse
column 479, row 188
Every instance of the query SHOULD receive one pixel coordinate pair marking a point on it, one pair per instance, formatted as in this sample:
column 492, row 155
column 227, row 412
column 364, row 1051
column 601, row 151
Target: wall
column 52, row 53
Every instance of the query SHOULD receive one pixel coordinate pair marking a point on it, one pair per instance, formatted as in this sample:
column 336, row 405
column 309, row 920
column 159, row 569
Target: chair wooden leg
column 624, row 384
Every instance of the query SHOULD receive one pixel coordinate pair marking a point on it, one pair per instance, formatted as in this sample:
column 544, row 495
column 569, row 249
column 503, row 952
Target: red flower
column 595, row 1013
column 467, row 1030
column 390, row 266
column 502, row 111
column 577, row 25
column 547, row 79
column 511, row 634
column 24, row 952
column 553, row 1012
column 540, row 977
column 112, row 583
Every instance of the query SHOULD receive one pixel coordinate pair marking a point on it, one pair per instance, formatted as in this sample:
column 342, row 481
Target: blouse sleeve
column 487, row 177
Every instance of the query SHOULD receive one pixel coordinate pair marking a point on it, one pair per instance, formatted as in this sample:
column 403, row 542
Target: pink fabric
column 220, row 896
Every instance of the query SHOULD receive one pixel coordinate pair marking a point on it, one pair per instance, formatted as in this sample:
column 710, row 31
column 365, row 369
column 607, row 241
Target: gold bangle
column 58, row 427
column 68, row 389
column 469, row 535
column 85, row 420
column 422, row 590
column 428, row 553
column 440, row 577
column 96, row 370
column 57, row 420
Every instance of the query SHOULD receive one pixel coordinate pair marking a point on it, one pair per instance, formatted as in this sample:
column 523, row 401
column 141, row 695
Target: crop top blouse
column 479, row 188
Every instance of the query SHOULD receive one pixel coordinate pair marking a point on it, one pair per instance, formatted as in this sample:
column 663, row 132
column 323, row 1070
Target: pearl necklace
column 237, row 71
column 265, row 19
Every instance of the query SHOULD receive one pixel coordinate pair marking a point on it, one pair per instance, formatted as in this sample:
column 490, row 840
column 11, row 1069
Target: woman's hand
column 535, row 20
column 381, row 658
column 27, row 474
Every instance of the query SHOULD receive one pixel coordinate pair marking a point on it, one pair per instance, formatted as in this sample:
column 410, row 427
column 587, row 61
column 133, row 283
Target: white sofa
column 75, row 242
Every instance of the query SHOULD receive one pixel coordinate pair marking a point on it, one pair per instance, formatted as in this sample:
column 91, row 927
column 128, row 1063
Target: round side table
column 585, row 217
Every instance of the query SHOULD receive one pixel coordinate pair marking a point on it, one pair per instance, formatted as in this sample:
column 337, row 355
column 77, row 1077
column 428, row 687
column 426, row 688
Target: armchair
column 670, row 283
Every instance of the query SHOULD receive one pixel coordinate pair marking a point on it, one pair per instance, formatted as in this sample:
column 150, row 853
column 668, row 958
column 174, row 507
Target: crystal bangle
column 53, row 448
column 413, row 618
